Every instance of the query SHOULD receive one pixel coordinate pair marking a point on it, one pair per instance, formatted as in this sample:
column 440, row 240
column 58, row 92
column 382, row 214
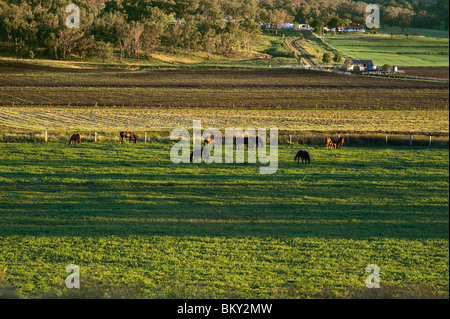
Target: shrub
column 337, row 57
column 104, row 50
column 387, row 67
column 327, row 58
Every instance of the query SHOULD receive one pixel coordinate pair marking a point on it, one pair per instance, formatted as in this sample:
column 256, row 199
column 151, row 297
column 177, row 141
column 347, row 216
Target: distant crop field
column 140, row 226
column 400, row 51
column 25, row 85
column 428, row 72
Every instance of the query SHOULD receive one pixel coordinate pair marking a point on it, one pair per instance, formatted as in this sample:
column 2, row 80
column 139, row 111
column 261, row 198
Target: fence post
column 46, row 136
column 411, row 139
column 429, row 144
column 386, row 140
column 145, row 139
column 95, row 138
column 290, row 139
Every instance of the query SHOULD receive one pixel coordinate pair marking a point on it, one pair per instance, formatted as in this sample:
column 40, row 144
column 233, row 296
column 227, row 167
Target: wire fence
column 285, row 137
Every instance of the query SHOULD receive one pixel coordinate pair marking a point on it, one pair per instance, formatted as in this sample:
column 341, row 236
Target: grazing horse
column 129, row 135
column 198, row 154
column 330, row 142
column 209, row 140
column 340, row 142
column 259, row 142
column 304, row 156
column 75, row 139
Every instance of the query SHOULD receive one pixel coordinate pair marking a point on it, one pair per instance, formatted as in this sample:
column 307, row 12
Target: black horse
column 130, row 136
column 75, row 139
column 304, row 156
column 249, row 141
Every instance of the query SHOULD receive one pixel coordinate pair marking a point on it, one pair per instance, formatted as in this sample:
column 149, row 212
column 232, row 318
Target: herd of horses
column 329, row 142
column 251, row 143
column 76, row 138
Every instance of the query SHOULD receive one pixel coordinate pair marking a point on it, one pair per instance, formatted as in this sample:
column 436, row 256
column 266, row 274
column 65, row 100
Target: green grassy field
column 141, row 227
column 400, row 51
column 414, row 31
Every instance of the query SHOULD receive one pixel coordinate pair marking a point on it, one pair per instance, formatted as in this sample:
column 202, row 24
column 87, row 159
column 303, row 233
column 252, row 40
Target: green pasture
column 401, row 51
column 140, row 226
column 415, row 32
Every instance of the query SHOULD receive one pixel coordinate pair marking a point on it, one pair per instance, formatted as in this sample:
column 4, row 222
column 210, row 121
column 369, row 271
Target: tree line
column 138, row 28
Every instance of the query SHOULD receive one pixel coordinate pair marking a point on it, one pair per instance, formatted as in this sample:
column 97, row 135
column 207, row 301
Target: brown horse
column 304, row 156
column 340, row 142
column 75, row 139
column 330, row 142
column 129, row 135
column 209, row 140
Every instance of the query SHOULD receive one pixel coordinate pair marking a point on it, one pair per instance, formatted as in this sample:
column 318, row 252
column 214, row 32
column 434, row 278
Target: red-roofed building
column 355, row 27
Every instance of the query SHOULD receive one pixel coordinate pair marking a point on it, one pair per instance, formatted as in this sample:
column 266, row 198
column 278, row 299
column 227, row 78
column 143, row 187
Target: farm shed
column 361, row 65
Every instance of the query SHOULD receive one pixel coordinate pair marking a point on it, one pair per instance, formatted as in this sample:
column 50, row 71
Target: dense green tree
column 250, row 33
column 327, row 58
column 303, row 14
column 318, row 26
column 338, row 57
column 20, row 27
column 405, row 18
column 104, row 50
column 278, row 17
column 335, row 22
column 67, row 40
column 190, row 36
column 210, row 42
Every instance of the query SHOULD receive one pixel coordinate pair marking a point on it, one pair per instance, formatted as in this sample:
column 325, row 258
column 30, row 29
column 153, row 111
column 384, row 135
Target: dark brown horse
column 198, row 154
column 129, row 135
column 340, row 142
column 329, row 142
column 75, row 139
column 251, row 142
column 304, row 156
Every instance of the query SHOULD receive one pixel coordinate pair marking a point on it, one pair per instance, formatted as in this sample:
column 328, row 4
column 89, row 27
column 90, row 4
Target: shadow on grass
column 218, row 223
column 172, row 289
